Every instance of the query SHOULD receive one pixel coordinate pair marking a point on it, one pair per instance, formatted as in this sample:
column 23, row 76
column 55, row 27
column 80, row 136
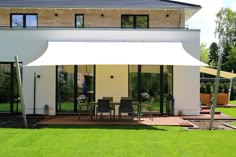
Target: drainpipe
column 34, row 93
column 180, row 17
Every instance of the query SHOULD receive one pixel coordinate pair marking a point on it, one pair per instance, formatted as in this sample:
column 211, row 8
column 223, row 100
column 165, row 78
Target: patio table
column 113, row 106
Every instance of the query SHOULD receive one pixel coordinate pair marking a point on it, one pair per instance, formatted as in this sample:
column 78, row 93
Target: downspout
column 180, row 17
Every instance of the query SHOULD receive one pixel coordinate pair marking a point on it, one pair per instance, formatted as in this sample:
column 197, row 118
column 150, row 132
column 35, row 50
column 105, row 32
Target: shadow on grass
column 134, row 127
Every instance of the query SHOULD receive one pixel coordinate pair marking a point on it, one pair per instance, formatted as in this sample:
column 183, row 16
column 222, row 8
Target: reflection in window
column 79, row 21
column 17, row 21
column 134, row 21
column 24, row 20
column 156, row 81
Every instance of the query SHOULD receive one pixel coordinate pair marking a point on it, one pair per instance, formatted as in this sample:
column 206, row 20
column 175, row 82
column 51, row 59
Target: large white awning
column 223, row 74
column 132, row 53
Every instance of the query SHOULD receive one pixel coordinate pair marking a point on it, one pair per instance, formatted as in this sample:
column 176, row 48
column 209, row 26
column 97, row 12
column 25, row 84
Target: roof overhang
column 132, row 53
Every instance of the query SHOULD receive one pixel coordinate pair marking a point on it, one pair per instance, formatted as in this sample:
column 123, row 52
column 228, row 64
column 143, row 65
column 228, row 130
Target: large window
column 134, row 21
column 24, row 20
column 79, row 21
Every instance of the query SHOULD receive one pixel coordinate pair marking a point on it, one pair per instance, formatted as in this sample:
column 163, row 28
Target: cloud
column 204, row 19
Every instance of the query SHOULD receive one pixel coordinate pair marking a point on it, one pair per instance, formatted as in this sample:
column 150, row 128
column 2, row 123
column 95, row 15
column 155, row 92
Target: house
column 99, row 48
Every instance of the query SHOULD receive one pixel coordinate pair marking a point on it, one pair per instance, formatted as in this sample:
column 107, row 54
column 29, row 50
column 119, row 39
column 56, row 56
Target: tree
column 204, row 53
column 213, row 54
column 225, row 23
column 225, row 29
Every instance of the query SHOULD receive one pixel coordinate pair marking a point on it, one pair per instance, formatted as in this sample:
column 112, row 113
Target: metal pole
column 230, row 86
column 213, row 106
column 34, row 92
column 18, row 76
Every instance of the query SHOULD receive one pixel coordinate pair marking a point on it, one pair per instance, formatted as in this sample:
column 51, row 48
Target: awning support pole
column 230, row 85
column 213, row 106
column 18, row 76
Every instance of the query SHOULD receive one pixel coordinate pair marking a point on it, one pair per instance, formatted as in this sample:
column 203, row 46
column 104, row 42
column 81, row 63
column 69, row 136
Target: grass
column 233, row 123
column 117, row 141
column 232, row 102
column 228, row 111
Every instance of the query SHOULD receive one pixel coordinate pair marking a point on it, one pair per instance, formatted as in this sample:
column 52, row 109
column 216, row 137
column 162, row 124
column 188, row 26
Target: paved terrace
column 73, row 120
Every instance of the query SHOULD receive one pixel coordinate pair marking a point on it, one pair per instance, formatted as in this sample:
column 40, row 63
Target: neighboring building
column 28, row 26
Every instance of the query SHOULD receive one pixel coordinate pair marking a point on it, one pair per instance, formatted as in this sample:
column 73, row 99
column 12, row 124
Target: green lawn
column 228, row 111
column 232, row 123
column 117, row 141
column 232, row 102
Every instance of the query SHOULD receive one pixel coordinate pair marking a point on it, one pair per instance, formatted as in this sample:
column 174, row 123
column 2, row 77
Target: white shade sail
column 132, row 53
column 223, row 74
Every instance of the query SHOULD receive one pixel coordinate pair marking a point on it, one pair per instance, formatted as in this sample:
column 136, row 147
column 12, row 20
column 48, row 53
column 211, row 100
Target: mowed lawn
column 119, row 141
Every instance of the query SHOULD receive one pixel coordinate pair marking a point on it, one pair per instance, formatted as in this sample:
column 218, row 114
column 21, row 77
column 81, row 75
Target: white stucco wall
column 30, row 44
column 115, row 87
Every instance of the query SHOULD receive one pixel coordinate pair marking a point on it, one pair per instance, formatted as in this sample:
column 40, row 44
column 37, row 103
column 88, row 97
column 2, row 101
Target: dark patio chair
column 126, row 98
column 108, row 98
column 103, row 106
column 126, row 107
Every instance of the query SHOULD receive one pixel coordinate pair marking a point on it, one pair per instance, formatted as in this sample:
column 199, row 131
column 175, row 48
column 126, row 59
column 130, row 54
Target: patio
column 84, row 120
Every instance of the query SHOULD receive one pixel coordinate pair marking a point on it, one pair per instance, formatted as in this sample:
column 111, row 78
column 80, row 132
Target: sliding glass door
column 9, row 96
column 151, row 81
column 74, row 83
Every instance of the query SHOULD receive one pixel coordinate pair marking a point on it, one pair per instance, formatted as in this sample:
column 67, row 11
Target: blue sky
column 205, row 18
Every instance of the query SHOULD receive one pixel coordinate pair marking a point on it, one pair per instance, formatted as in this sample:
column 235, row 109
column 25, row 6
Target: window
column 24, row 20
column 134, row 21
column 79, row 21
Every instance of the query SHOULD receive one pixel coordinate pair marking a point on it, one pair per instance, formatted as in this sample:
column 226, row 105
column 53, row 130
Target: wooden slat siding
column 92, row 17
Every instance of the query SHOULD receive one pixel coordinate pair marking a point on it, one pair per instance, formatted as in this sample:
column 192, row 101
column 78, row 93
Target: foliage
column 204, row 57
column 5, row 86
column 116, row 141
column 213, row 54
column 225, row 30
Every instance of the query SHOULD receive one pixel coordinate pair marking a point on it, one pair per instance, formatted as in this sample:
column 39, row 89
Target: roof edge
column 182, row 3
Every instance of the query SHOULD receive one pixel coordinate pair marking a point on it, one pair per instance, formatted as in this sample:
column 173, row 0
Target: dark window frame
column 76, row 20
column 24, row 20
column 135, row 20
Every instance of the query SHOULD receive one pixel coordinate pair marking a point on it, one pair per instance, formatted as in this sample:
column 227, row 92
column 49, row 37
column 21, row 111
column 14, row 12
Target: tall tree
column 225, row 30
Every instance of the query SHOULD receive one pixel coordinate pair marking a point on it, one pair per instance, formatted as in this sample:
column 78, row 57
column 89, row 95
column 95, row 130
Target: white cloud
column 204, row 19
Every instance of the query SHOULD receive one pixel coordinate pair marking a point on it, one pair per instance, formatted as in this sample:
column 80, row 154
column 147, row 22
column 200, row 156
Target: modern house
column 78, row 49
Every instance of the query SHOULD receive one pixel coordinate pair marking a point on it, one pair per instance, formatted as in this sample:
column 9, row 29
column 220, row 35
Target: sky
column 205, row 18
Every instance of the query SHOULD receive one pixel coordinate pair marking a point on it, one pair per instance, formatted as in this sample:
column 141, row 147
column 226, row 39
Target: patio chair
column 126, row 98
column 108, row 98
column 111, row 105
column 83, row 108
column 148, row 108
column 126, row 107
column 103, row 106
